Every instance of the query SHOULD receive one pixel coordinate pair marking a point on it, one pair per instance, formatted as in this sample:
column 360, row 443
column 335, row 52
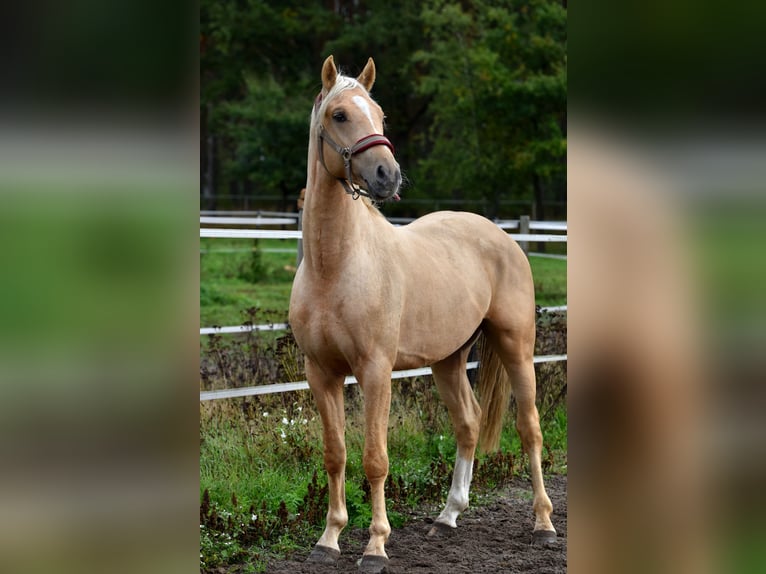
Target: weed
column 252, row 268
column 263, row 488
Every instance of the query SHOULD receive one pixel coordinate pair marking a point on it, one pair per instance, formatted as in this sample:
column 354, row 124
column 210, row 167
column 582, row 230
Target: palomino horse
column 369, row 298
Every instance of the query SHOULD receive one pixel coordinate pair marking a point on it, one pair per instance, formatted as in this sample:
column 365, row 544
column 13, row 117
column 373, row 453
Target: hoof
column 441, row 529
column 543, row 537
column 373, row 564
column 323, row 555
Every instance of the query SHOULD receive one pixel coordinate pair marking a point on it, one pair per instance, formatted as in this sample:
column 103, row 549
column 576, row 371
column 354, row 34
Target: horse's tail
column 494, row 388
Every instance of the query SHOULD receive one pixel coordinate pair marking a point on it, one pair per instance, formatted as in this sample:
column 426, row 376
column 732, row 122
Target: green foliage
column 496, row 73
column 218, row 547
column 263, row 126
column 475, row 92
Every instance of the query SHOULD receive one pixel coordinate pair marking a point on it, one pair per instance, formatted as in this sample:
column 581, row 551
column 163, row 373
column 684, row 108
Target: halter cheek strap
column 347, row 153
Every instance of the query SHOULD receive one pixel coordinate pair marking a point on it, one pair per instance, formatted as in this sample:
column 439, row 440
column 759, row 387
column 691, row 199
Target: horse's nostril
column 382, row 174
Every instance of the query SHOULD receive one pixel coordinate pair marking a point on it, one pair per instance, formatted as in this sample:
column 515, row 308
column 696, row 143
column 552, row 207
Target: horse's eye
column 339, row 116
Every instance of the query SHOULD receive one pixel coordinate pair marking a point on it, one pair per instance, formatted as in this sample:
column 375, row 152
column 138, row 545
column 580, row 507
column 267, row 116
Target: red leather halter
column 347, row 153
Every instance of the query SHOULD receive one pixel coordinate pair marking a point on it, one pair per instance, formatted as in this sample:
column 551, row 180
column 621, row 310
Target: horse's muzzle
column 386, row 182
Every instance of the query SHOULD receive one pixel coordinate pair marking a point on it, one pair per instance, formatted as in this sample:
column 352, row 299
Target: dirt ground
column 493, row 538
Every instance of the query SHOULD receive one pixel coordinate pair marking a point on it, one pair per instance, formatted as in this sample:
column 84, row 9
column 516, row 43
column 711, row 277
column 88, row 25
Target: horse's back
column 469, row 241
column 470, row 229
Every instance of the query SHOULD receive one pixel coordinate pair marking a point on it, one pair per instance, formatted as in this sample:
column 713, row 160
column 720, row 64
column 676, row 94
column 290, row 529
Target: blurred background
column 98, row 288
column 666, row 281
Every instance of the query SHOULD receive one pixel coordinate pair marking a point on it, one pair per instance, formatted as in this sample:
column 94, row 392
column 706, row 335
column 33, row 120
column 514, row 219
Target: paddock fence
column 266, row 219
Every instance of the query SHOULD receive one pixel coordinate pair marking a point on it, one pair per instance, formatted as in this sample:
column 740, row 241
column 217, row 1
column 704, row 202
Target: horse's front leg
column 376, row 386
column 328, row 395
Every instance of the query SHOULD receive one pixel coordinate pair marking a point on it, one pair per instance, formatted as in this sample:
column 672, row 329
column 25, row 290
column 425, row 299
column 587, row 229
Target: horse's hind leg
column 528, row 426
column 328, row 395
column 455, row 391
column 516, row 351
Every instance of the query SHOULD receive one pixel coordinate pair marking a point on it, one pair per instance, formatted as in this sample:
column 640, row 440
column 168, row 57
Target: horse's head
column 352, row 146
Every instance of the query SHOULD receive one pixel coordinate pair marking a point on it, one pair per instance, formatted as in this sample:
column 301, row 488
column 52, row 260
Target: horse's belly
column 427, row 342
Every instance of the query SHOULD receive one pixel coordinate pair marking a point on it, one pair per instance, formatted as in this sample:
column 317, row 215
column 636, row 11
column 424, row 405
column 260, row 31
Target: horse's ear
column 329, row 73
column 367, row 77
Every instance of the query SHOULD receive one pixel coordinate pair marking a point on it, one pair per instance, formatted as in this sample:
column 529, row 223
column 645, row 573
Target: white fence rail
column 255, row 221
column 250, row 233
column 242, row 329
column 283, row 326
column 289, row 219
column 274, row 218
column 266, row 219
column 537, row 225
column 292, row 234
column 303, row 385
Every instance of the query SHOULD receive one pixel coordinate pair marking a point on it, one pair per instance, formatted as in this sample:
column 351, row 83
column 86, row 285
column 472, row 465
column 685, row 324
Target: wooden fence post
column 524, row 229
column 300, row 226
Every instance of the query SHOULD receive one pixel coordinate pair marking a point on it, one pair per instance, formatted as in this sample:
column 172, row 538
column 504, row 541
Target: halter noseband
column 347, row 153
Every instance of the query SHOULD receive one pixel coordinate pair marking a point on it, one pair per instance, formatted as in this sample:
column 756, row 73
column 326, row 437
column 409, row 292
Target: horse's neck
column 333, row 223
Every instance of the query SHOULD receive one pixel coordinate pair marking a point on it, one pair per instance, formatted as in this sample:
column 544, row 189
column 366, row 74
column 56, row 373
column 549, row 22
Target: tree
column 263, row 127
column 255, row 64
column 476, row 93
column 496, row 73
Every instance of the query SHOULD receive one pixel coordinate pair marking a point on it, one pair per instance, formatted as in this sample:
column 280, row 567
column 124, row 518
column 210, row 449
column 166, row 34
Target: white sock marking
column 457, row 500
column 365, row 107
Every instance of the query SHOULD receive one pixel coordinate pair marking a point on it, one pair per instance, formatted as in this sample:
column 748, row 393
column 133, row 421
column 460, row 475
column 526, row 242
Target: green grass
column 252, row 464
column 239, row 274
column 261, row 477
column 236, row 275
column 550, row 277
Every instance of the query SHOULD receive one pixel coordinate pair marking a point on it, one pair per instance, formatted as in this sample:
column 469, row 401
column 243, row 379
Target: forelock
column 342, row 84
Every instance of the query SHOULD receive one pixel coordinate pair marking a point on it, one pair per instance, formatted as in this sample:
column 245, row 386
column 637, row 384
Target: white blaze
column 365, row 107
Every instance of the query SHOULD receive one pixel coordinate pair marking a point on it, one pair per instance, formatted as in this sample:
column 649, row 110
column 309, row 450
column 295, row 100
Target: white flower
column 305, row 421
column 300, row 409
column 283, row 433
column 253, row 517
column 265, row 414
column 284, row 420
